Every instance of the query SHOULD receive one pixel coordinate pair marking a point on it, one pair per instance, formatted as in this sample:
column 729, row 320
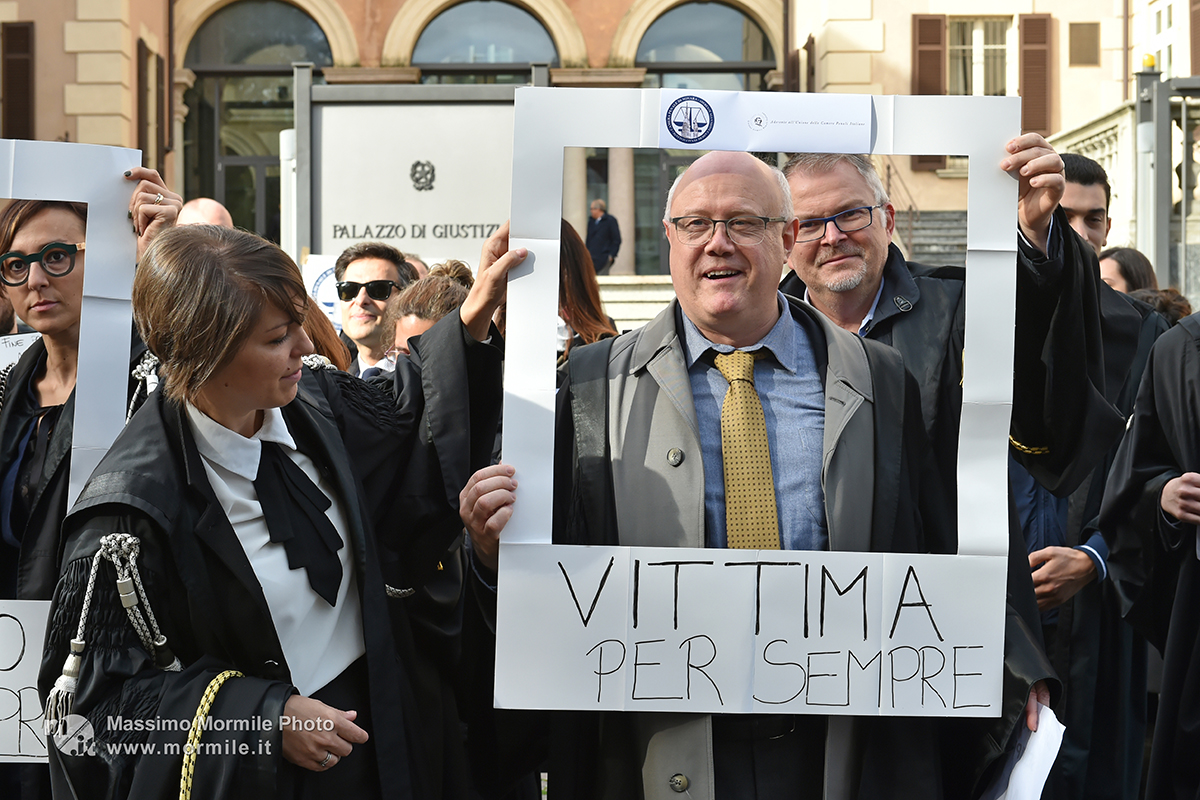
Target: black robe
column 1073, row 348
column 388, row 464
column 31, row 572
column 1153, row 564
column 1101, row 660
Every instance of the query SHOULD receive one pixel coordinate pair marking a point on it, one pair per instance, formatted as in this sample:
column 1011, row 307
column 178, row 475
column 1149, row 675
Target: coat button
column 674, row 456
column 678, row 782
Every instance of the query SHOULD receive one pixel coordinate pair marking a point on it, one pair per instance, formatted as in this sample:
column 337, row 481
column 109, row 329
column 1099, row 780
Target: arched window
column 482, row 41
column 705, row 46
column 242, row 98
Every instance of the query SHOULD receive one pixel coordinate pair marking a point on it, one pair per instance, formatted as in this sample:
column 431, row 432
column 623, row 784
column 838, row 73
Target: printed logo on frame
column 690, row 119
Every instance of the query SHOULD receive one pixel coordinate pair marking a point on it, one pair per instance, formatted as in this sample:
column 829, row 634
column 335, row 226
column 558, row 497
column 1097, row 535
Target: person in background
column 368, row 275
column 1168, row 302
column 1101, row 661
column 417, row 264
column 1127, row 270
column 418, row 307
column 42, row 267
column 1149, row 517
column 580, row 313
column 8, row 314
column 1086, row 198
column 205, row 211
column 603, row 237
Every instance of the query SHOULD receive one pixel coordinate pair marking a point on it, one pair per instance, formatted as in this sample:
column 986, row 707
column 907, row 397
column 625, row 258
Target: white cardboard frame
column 92, row 174
column 555, row 616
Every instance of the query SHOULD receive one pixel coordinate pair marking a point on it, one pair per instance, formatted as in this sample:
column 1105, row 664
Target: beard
column 844, row 283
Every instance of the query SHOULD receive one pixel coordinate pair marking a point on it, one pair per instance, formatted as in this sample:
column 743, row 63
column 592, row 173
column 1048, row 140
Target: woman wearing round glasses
column 43, row 247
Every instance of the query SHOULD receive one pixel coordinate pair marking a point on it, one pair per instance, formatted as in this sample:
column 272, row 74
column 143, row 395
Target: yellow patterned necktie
column 750, row 517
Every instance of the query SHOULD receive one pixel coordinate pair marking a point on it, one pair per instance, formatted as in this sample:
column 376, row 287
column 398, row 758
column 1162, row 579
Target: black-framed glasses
column 376, row 290
column 848, row 221
column 57, row 260
column 697, row 231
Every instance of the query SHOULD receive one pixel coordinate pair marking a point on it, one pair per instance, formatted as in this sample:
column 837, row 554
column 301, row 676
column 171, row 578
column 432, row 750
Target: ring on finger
column 325, row 762
column 158, row 198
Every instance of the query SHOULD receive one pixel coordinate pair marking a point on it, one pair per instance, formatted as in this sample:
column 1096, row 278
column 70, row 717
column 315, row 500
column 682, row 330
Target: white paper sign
column 733, row 631
column 11, row 347
column 716, row 639
column 22, row 631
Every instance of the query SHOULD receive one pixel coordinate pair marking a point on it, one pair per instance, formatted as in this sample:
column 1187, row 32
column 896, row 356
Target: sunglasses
column 57, row 260
column 376, row 290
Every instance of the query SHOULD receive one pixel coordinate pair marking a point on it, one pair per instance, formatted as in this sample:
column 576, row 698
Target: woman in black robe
column 253, row 487
column 42, row 267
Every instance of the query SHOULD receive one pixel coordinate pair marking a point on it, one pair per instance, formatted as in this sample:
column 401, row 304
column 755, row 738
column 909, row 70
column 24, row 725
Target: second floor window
column 978, row 56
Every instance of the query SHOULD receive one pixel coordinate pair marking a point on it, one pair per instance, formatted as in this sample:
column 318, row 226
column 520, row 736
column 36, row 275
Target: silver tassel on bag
column 122, row 550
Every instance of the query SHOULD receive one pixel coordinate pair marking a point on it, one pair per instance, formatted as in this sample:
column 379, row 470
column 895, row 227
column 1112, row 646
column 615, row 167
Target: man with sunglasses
column 1063, row 421
column 368, row 275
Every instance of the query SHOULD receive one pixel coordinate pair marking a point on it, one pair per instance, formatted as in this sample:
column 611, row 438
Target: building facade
column 204, row 86
column 94, row 71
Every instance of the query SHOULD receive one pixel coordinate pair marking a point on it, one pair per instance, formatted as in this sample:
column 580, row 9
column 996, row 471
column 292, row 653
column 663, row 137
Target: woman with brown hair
column 44, row 248
column 423, row 303
column 579, row 306
column 42, row 266
column 244, row 486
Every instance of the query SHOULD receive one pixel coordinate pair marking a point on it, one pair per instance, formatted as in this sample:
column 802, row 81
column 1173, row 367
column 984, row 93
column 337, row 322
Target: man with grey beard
column 1063, row 419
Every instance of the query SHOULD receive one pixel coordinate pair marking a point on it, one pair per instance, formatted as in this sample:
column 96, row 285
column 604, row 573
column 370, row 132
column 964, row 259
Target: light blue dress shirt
column 793, row 399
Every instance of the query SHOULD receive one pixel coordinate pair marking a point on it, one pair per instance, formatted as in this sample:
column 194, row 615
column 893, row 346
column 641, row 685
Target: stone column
column 184, row 80
column 621, row 205
column 575, row 199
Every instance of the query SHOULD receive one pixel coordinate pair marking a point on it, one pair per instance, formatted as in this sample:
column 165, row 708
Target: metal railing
column 907, row 213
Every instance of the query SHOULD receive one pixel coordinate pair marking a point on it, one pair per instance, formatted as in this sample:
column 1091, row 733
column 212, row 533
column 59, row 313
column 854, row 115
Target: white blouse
column 319, row 641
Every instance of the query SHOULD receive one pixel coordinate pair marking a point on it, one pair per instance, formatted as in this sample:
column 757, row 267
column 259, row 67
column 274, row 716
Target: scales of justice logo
column 690, row 119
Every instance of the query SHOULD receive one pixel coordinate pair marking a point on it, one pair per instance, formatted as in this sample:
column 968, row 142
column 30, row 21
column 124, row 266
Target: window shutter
column 1034, row 32
column 929, row 58
column 1194, row 31
column 16, row 44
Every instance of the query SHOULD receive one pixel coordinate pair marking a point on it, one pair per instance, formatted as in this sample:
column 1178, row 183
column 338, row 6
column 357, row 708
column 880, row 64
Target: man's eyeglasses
column 697, row 231
column 848, row 221
column 57, row 260
column 376, row 290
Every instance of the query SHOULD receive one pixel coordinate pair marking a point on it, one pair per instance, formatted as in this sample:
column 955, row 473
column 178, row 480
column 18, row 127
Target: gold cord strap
column 193, row 740
column 1032, row 451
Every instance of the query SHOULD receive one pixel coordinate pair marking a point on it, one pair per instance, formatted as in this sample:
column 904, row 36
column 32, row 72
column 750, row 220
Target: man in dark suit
column 603, row 237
